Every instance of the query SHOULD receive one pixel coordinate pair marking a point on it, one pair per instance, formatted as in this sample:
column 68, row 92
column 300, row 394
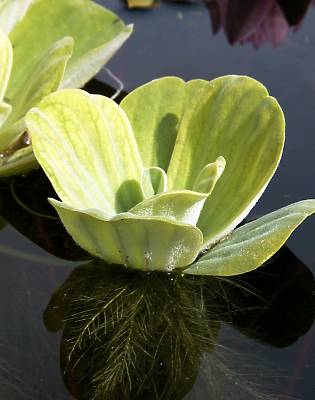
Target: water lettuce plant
column 44, row 47
column 162, row 180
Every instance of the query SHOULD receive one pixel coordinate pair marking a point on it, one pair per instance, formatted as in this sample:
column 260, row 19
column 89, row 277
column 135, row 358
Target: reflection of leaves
column 127, row 334
column 23, row 203
column 3, row 223
column 278, row 305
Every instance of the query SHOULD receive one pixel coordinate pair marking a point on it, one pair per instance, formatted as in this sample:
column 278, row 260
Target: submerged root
column 134, row 335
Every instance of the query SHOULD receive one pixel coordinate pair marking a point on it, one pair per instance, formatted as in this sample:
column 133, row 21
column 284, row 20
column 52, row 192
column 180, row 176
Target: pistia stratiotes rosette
column 166, row 176
column 45, row 46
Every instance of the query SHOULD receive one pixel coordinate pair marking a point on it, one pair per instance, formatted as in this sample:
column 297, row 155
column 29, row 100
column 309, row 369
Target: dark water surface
column 259, row 345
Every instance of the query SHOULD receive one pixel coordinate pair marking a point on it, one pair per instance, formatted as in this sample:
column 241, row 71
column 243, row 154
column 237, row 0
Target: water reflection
column 24, row 205
column 256, row 21
column 131, row 335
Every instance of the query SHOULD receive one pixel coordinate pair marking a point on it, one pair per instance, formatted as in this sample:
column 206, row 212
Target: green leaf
column 5, row 110
column 11, row 12
column 209, row 175
column 44, row 79
column 97, row 34
column 80, row 71
column 183, row 206
column 86, row 146
column 5, row 70
column 254, row 243
column 154, row 111
column 5, row 63
column 154, row 181
column 137, row 242
column 235, row 118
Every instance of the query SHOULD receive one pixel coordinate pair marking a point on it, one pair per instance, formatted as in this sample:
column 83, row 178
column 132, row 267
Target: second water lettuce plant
column 162, row 180
column 45, row 47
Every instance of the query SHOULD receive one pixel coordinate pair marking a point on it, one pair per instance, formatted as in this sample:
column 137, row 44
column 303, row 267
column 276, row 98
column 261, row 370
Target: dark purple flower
column 256, row 21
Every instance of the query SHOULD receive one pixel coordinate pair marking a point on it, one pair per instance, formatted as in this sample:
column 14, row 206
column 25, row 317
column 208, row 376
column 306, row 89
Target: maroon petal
column 243, row 17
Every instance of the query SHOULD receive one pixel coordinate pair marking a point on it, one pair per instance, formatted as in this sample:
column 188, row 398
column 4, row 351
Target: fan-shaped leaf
column 87, row 148
column 155, row 110
column 234, row 118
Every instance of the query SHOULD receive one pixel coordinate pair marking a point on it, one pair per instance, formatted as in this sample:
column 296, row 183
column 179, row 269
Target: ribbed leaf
column 5, row 63
column 89, row 64
column 87, row 148
column 254, row 243
column 11, row 11
column 5, row 70
column 97, row 34
column 5, row 110
column 154, row 111
column 43, row 80
column 137, row 242
column 234, row 118
column 183, row 206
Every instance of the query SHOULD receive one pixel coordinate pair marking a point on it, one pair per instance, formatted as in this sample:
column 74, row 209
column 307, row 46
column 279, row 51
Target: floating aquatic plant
column 45, row 48
column 161, row 180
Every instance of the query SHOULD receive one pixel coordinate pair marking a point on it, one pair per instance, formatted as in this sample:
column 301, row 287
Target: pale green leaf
column 208, row 176
column 89, row 64
column 5, row 70
column 155, row 110
column 5, row 110
column 137, row 242
column 43, row 80
column 182, row 205
column 92, row 27
column 154, row 181
column 5, row 63
column 251, row 245
column 87, row 148
column 11, row 12
column 234, row 118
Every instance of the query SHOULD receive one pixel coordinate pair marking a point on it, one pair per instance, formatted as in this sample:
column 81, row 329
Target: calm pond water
column 248, row 338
